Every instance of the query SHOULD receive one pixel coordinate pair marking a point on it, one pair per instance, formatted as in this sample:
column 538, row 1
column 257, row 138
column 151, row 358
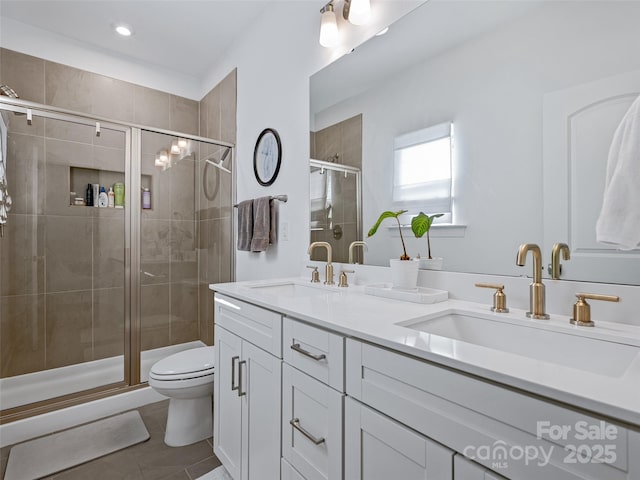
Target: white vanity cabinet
column 247, row 389
column 490, row 424
column 379, row 448
column 467, row 470
column 312, row 402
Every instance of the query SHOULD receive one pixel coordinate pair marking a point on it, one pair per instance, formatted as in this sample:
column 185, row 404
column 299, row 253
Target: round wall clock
column 267, row 156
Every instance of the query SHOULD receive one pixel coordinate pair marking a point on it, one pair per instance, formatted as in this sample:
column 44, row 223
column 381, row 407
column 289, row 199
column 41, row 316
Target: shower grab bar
column 280, row 198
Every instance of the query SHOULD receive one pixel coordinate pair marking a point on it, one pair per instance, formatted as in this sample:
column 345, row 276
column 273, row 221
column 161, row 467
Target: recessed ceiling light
column 382, row 32
column 123, row 30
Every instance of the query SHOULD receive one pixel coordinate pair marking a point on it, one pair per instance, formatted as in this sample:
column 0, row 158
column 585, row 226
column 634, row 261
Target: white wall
column 492, row 88
column 275, row 61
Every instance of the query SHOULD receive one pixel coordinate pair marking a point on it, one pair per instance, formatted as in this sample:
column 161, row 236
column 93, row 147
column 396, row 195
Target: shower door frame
column 132, row 281
column 346, row 169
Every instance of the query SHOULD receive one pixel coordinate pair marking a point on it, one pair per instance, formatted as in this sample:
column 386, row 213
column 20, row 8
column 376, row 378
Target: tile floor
column 151, row 460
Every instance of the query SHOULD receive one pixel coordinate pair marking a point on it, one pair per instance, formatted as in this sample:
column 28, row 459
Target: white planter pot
column 430, row 263
column 404, row 274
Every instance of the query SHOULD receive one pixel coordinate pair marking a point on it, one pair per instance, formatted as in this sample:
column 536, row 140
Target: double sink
column 561, row 345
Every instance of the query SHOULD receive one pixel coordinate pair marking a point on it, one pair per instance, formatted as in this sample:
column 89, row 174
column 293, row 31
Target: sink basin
column 566, row 349
column 290, row 289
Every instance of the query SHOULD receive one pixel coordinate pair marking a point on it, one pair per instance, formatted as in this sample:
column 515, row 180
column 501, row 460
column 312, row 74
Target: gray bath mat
column 59, row 451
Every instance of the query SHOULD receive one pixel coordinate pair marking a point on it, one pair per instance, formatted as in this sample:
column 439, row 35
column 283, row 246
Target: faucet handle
column 343, row 277
column 499, row 298
column 315, row 276
column 582, row 310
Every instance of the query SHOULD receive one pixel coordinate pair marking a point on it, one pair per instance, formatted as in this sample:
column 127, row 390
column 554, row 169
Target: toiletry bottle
column 118, row 190
column 72, row 198
column 103, row 199
column 88, row 196
column 146, row 199
column 96, row 194
column 112, row 198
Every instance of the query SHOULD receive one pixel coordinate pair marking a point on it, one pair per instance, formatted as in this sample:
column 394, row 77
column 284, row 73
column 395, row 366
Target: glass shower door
column 185, row 205
column 63, row 270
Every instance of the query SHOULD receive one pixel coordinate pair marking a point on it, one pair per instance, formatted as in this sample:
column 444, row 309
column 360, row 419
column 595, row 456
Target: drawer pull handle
column 295, row 423
column 233, row 373
column 297, row 348
column 240, row 392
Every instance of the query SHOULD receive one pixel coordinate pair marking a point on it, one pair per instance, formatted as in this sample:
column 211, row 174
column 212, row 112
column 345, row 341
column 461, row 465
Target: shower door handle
column 233, row 373
column 240, row 392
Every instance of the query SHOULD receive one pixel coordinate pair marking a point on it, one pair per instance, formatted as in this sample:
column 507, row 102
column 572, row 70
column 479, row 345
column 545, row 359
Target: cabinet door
column 260, row 384
column 311, row 426
column 227, row 413
column 378, row 448
column 464, row 469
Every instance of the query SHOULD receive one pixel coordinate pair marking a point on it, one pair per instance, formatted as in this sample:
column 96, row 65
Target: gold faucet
column 352, row 246
column 329, row 267
column 556, row 268
column 536, row 289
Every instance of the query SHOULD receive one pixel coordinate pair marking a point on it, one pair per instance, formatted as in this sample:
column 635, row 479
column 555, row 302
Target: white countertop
column 352, row 313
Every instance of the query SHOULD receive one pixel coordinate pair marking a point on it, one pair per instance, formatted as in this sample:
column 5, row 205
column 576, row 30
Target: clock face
column 267, row 156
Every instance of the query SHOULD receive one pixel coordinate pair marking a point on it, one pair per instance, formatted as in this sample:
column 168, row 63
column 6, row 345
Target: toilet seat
column 188, row 364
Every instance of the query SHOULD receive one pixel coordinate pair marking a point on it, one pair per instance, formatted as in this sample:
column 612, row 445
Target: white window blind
column 422, row 169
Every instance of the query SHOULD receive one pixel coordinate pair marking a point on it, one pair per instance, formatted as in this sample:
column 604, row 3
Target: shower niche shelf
column 80, row 177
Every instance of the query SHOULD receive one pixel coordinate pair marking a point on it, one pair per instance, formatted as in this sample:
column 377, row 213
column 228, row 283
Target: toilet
column 187, row 379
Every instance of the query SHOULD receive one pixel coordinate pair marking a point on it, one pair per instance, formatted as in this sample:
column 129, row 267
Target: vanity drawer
column 255, row 324
column 315, row 351
column 311, row 426
column 473, row 417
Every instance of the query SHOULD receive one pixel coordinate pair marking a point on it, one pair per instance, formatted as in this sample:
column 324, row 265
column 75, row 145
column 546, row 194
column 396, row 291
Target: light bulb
column 164, row 157
column 359, row 11
column 182, row 142
column 175, row 148
column 329, row 36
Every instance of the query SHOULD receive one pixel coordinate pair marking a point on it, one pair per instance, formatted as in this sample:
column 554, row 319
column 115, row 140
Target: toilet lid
column 188, row 361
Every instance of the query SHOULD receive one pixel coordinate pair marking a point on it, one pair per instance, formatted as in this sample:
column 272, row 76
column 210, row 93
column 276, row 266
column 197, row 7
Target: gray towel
column 245, row 225
column 261, row 224
column 273, row 231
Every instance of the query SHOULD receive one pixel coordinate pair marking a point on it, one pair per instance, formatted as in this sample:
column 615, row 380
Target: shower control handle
column 233, row 373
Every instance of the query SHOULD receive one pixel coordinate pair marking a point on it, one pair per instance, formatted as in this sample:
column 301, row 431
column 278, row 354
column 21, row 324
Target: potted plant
column 420, row 224
column 404, row 272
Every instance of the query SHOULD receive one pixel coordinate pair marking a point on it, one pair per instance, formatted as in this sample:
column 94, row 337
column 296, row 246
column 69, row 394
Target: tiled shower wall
column 340, row 143
column 61, row 270
column 215, row 205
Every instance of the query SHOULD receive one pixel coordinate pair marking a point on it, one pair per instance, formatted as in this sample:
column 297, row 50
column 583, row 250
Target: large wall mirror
column 534, row 90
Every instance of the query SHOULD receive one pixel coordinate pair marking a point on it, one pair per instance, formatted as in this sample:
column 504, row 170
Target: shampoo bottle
column 103, row 199
column 88, row 196
column 146, row 199
column 112, row 198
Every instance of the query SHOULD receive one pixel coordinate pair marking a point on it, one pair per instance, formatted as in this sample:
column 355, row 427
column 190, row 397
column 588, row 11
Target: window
column 422, row 170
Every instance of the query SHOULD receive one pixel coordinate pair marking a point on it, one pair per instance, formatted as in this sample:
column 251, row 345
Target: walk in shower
column 90, row 296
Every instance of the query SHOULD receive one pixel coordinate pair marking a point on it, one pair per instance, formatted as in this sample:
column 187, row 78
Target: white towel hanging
column 619, row 221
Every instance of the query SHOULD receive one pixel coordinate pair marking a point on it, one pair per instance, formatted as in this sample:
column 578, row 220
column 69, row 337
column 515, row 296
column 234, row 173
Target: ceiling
column 185, row 36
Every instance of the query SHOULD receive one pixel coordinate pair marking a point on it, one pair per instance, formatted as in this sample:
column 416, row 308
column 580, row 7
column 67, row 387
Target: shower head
column 8, row 91
column 225, row 155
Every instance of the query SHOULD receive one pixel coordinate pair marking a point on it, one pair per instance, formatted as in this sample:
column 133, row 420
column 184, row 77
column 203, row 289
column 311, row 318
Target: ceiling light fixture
column 175, row 147
column 329, row 36
column 357, row 12
column 123, row 30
